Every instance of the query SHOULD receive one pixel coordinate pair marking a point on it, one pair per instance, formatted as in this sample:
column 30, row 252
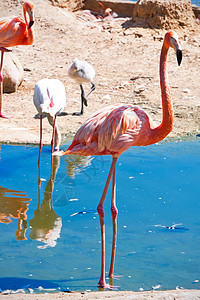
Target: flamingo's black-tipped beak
column 179, row 56
column 30, row 24
column 176, row 46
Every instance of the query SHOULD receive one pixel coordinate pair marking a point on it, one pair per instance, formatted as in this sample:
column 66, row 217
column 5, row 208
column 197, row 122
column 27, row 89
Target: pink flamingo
column 14, row 32
column 114, row 129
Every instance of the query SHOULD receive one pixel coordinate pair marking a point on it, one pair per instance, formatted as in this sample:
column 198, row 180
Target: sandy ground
column 158, row 295
column 126, row 60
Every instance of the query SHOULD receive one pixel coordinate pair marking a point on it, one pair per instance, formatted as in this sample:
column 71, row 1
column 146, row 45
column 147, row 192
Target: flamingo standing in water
column 14, row 32
column 114, row 129
column 82, row 71
column 49, row 99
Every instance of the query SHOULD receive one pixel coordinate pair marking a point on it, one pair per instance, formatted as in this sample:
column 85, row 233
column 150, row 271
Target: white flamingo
column 49, row 99
column 82, row 71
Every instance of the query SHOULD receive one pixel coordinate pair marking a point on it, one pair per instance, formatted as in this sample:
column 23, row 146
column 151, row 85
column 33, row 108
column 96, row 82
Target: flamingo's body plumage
column 114, row 129
column 14, row 32
column 49, row 96
column 82, row 72
column 50, row 99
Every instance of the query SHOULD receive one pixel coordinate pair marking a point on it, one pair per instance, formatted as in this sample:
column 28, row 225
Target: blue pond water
column 46, row 242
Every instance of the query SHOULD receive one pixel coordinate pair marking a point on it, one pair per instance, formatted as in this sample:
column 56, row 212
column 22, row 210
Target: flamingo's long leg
column 1, row 66
column 83, row 99
column 40, row 146
column 53, row 134
column 83, row 102
column 1, row 84
column 91, row 90
column 100, row 210
column 55, row 140
column 114, row 213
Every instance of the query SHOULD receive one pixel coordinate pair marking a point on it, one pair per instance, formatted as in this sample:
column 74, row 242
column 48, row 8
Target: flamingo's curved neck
column 167, row 120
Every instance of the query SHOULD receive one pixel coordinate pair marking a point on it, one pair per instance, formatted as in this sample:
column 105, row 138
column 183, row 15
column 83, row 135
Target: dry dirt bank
column 126, row 60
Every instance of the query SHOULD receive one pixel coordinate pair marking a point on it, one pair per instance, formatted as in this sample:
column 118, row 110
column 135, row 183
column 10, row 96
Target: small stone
column 13, row 73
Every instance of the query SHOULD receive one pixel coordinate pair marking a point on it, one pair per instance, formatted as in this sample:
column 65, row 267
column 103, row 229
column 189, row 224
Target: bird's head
column 76, row 64
column 29, row 9
column 171, row 40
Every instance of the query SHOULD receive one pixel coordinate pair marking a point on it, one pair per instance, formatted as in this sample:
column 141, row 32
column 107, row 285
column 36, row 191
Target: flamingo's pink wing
column 103, row 132
column 87, row 132
column 10, row 29
column 118, row 129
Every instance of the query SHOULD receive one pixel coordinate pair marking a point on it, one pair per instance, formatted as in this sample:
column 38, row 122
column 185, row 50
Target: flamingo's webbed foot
column 103, row 286
column 5, row 116
column 77, row 113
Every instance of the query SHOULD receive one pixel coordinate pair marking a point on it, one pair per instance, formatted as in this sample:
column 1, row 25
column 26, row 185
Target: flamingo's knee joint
column 114, row 211
column 100, row 210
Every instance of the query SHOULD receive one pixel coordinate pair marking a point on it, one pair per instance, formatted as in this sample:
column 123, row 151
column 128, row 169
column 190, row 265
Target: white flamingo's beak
column 58, row 153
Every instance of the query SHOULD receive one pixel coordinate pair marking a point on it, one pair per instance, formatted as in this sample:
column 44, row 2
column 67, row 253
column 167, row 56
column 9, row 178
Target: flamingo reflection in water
column 14, row 204
column 46, row 224
column 78, row 164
